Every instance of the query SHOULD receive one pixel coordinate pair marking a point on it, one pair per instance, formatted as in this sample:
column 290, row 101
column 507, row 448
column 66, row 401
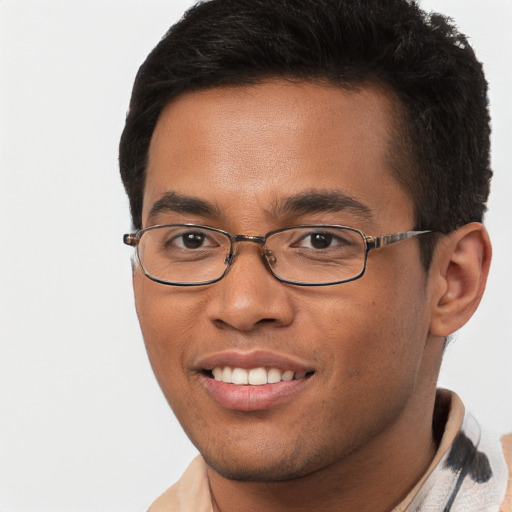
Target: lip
column 253, row 398
column 253, row 359
column 247, row 397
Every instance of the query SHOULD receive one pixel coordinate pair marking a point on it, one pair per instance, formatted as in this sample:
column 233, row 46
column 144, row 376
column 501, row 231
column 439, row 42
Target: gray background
column 83, row 425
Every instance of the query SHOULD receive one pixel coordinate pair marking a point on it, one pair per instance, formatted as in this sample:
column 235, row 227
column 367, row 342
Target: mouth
column 253, row 381
column 254, row 376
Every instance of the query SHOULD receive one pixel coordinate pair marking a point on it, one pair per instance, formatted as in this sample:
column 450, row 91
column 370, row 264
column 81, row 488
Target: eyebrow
column 178, row 203
column 312, row 201
column 319, row 201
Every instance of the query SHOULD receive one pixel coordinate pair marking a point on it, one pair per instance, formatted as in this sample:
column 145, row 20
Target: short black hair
column 440, row 148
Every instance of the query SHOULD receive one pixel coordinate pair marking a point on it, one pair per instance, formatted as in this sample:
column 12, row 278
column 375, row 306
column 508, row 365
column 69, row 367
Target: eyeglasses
column 315, row 255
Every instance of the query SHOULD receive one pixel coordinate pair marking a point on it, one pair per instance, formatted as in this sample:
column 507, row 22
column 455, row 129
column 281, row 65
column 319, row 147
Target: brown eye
column 193, row 240
column 321, row 240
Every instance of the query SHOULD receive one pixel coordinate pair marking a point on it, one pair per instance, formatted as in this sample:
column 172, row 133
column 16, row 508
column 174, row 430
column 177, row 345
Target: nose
column 249, row 296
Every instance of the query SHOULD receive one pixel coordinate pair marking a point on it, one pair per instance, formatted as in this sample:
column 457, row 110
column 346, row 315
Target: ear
column 459, row 273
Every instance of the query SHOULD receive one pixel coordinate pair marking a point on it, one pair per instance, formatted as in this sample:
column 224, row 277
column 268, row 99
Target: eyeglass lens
column 310, row 255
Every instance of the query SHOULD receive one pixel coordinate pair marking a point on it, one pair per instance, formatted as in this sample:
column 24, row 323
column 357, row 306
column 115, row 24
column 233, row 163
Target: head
column 254, row 115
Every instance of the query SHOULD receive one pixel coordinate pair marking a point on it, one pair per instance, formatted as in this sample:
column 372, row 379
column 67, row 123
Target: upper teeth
column 255, row 377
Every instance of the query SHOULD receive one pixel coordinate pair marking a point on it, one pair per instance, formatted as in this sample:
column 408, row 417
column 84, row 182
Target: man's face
column 247, row 152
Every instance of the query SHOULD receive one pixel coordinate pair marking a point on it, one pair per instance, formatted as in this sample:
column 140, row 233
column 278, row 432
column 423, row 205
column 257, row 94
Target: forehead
column 262, row 142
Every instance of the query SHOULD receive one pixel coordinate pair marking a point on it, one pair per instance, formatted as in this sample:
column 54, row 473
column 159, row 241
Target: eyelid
column 334, row 233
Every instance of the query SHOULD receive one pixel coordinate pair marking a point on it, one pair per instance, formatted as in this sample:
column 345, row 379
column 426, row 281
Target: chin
column 253, row 467
column 263, row 473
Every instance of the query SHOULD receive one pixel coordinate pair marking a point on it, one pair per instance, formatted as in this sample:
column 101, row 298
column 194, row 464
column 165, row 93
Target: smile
column 253, row 381
column 255, row 376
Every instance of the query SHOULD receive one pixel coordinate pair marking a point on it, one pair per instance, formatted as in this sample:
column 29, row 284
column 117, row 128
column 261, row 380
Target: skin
column 358, row 434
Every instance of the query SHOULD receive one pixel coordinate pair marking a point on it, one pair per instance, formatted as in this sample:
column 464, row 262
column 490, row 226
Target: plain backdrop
column 83, row 425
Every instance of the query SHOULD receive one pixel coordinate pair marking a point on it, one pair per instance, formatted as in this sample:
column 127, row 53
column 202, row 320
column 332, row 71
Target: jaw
column 374, row 473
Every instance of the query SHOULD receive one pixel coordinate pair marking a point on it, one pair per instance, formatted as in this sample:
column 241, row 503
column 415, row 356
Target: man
column 307, row 181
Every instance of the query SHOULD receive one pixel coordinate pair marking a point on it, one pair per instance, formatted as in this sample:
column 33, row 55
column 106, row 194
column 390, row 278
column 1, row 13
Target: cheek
column 167, row 323
column 374, row 337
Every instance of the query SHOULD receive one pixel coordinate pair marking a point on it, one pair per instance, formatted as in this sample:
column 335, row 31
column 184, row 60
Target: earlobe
column 459, row 274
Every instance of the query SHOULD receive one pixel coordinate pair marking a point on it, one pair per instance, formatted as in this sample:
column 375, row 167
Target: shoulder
column 190, row 492
column 506, row 443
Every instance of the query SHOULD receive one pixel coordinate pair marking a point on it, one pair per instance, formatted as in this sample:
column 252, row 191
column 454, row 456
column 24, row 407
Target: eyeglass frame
column 370, row 243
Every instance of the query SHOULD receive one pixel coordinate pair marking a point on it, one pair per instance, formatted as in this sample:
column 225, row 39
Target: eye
column 321, row 240
column 191, row 240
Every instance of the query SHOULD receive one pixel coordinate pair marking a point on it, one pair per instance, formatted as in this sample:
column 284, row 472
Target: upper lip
column 252, row 359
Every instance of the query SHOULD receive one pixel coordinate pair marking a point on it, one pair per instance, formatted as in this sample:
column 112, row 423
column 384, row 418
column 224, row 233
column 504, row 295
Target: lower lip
column 253, row 398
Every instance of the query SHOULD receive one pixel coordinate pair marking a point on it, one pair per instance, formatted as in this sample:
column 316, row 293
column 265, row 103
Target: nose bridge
column 236, row 239
column 245, row 298
column 260, row 240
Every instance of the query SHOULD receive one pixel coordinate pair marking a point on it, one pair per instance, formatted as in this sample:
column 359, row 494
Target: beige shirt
column 192, row 492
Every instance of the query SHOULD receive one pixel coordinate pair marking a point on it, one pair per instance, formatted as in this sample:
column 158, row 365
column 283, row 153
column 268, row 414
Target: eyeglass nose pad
column 269, row 256
column 228, row 260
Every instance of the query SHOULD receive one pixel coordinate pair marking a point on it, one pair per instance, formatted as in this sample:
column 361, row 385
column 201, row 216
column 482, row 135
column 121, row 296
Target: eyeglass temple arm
column 393, row 238
column 130, row 239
